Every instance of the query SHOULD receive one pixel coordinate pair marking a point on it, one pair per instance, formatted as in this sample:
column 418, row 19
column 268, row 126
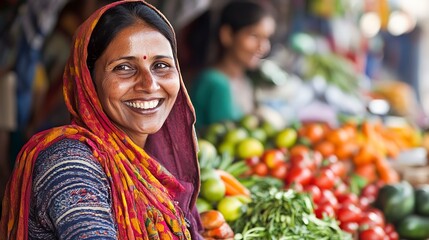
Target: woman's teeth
column 143, row 105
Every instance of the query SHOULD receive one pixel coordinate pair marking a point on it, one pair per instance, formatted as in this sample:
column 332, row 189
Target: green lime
column 269, row 129
column 249, row 147
column 249, row 122
column 236, row 135
column 230, row 207
column 226, row 147
column 203, row 205
column 206, row 150
column 286, row 138
column 207, row 173
column 214, row 132
column 260, row 134
column 212, row 189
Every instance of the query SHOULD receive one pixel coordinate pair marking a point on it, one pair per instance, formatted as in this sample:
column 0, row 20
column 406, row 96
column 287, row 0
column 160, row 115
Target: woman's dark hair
column 237, row 14
column 119, row 17
column 240, row 14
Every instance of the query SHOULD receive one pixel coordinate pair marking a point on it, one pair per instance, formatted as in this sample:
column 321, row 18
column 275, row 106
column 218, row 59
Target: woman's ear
column 226, row 36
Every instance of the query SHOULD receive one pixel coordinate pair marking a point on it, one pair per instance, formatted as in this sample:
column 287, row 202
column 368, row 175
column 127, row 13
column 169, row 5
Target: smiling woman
column 137, row 93
column 117, row 171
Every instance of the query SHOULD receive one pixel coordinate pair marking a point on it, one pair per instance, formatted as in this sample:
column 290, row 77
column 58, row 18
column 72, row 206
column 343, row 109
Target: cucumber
column 414, row 227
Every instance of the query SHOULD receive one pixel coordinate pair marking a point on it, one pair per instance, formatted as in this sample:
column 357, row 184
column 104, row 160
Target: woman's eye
column 161, row 66
column 122, row 68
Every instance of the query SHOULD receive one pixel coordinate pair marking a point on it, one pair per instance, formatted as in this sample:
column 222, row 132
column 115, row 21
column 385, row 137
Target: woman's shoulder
column 70, row 193
column 212, row 77
column 66, row 153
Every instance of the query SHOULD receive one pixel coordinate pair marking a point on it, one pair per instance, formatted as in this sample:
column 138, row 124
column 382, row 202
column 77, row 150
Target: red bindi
column 144, row 57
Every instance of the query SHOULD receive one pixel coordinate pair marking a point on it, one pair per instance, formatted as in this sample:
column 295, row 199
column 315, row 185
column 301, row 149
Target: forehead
column 140, row 36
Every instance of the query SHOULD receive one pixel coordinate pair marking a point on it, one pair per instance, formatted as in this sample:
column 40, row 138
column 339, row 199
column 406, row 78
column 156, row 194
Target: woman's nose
column 146, row 82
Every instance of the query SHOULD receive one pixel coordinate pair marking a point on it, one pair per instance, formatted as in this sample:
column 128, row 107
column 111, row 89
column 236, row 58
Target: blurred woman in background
column 222, row 91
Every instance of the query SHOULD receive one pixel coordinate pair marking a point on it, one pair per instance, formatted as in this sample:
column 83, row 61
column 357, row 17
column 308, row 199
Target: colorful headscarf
column 142, row 189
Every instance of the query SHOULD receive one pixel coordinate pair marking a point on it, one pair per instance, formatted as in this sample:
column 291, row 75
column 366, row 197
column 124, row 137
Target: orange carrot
column 385, row 171
column 232, row 185
column 367, row 171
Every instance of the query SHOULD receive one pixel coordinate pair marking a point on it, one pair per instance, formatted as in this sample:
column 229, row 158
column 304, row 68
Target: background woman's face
column 252, row 43
column 137, row 80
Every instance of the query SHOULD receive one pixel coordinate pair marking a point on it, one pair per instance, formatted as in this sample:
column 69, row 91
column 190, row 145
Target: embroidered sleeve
column 71, row 195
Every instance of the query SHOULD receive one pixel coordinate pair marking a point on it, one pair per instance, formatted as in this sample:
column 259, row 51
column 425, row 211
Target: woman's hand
column 215, row 226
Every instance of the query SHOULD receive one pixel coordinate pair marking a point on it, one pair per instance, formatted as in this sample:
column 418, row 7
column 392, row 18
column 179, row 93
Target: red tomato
column 314, row 192
column 370, row 191
column 346, row 198
column 375, row 233
column 338, row 168
column 329, row 197
column 350, row 227
column 302, row 160
column 388, row 228
column 299, row 175
column 299, row 149
column 325, row 179
column 349, row 213
column 252, row 161
column 317, row 158
column 329, row 160
column 340, row 187
column 377, row 211
column 260, row 169
column 295, row 186
column 279, row 171
column 393, row 235
column 324, row 209
column 390, row 231
column 364, row 203
column 371, row 219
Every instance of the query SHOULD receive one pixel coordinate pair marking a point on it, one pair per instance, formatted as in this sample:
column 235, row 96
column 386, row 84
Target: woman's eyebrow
column 121, row 58
column 163, row 56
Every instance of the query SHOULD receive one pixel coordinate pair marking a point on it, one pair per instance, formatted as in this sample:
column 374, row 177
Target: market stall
column 337, row 148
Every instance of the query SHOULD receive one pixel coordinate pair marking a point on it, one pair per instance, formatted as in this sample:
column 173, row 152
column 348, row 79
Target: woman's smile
column 144, row 106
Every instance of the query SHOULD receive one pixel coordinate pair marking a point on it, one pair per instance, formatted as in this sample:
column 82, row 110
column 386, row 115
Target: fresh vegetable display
column 343, row 171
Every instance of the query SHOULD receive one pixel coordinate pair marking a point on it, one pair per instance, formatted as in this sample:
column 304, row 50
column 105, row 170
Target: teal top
column 212, row 98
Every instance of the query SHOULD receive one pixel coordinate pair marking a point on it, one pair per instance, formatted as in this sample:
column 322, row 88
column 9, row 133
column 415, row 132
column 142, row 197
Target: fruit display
column 341, row 171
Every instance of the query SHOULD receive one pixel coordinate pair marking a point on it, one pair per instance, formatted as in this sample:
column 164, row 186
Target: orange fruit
column 326, row 148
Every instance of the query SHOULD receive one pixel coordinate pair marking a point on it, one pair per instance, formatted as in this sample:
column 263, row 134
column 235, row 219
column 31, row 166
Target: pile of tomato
column 326, row 179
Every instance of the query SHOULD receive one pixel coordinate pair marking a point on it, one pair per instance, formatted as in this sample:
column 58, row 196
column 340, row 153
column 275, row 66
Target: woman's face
column 137, row 81
column 250, row 44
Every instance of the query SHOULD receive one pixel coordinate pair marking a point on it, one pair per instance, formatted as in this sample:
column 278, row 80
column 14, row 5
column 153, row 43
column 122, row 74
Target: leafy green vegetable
column 356, row 183
column 284, row 214
column 334, row 69
column 257, row 184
